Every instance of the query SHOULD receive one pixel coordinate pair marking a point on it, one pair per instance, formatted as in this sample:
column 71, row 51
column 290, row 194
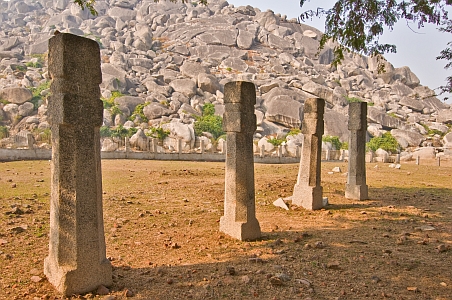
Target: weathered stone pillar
column 308, row 191
column 356, row 187
column 77, row 260
column 262, row 152
column 179, row 146
column 239, row 123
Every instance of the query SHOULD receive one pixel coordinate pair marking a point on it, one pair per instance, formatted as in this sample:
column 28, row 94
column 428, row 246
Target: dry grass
column 161, row 223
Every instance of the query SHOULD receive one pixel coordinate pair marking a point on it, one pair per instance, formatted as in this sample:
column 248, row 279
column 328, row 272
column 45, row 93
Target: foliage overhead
column 357, row 25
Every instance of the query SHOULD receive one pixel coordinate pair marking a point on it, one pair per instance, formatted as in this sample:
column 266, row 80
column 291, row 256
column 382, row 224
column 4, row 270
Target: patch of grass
column 36, row 91
column 3, row 132
column 158, row 133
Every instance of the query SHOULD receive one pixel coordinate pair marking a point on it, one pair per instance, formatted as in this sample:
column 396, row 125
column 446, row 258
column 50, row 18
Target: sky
column 416, row 48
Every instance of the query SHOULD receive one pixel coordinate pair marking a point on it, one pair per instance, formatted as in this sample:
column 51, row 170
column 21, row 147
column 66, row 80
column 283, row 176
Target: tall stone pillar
column 307, row 191
column 77, row 260
column 239, row 123
column 356, row 187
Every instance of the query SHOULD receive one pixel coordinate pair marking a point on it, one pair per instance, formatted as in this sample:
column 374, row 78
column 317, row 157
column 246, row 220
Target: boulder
column 234, row 63
column 11, row 111
column 378, row 116
column 284, row 110
column 155, row 111
column 122, row 13
column 444, row 116
column 193, row 69
column 245, row 39
column 129, row 101
column 336, row 124
column 264, row 142
column 108, row 145
column 407, row 138
column 447, row 140
column 139, row 140
column 184, row 132
column 414, row 104
column 425, row 152
column 184, row 86
column 26, row 109
column 209, row 83
column 318, row 90
column 16, row 95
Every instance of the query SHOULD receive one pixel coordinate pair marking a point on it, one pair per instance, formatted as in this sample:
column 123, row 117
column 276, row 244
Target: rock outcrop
column 172, row 59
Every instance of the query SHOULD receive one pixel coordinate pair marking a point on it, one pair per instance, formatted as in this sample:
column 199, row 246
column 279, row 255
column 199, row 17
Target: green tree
column 386, row 142
column 209, row 122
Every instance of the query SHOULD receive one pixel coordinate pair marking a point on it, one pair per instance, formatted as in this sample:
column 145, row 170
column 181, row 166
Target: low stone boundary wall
column 46, row 154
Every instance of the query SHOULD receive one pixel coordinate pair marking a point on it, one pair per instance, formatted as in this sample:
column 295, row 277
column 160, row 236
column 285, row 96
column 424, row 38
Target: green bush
column 433, row 131
column 276, row 142
column 105, row 131
column 209, row 122
column 33, row 64
column 334, row 140
column 36, row 91
column 352, row 99
column 159, row 133
column 122, row 132
column 139, row 112
column 344, row 146
column 386, row 142
column 111, row 105
column 294, row 131
column 3, row 132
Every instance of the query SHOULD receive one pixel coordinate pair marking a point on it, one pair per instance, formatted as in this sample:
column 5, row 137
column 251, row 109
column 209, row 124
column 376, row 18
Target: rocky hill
column 163, row 62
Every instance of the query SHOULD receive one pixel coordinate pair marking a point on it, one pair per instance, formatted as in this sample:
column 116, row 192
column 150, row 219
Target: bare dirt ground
column 161, row 228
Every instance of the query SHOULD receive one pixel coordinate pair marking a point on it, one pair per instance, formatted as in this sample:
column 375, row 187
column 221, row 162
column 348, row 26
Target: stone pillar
column 201, row 145
column 126, row 144
column 239, row 123
column 155, row 143
column 418, row 160
column 77, row 260
column 397, row 158
column 356, row 187
column 30, row 141
column 327, row 154
column 262, row 152
column 280, row 151
column 179, row 146
column 439, row 161
column 308, row 191
column 223, row 147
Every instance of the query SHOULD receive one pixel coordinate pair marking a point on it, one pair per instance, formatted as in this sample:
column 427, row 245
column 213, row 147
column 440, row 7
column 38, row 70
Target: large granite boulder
column 156, row 110
column 184, row 86
column 284, row 110
column 407, row 138
column 444, row 116
column 209, row 83
column 193, row 69
column 129, row 101
column 16, row 95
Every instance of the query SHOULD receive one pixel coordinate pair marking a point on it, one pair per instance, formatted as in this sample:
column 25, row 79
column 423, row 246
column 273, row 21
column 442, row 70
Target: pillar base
column 309, row 197
column 242, row 231
column 356, row 192
column 69, row 280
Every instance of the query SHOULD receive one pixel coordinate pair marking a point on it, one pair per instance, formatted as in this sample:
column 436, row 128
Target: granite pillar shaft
column 308, row 191
column 356, row 187
column 77, row 260
column 239, row 123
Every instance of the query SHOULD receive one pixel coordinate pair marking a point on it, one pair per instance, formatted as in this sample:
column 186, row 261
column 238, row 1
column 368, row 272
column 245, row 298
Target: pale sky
column 416, row 48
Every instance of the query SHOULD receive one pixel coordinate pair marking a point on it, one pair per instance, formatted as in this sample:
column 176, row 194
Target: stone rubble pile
column 172, row 59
